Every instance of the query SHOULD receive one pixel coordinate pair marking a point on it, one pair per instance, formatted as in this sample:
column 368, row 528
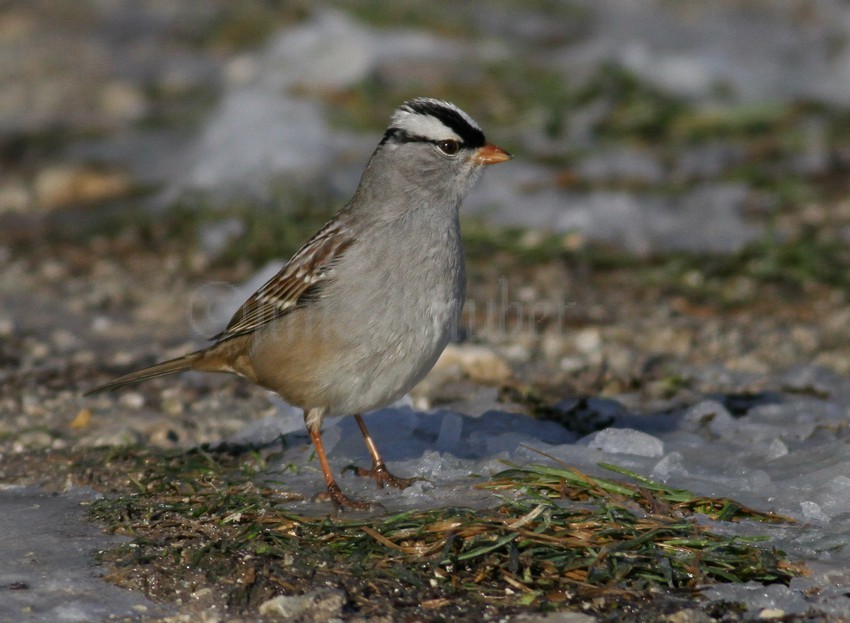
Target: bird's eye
column 449, row 147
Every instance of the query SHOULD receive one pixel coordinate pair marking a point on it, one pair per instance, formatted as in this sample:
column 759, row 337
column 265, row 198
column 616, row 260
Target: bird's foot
column 340, row 500
column 384, row 477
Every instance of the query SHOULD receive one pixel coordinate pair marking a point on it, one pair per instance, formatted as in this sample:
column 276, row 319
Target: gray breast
column 398, row 303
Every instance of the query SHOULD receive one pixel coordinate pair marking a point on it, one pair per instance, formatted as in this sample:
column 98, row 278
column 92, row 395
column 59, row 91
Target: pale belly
column 391, row 364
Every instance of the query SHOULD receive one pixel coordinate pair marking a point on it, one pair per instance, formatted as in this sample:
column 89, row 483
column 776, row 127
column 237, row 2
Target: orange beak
column 490, row 154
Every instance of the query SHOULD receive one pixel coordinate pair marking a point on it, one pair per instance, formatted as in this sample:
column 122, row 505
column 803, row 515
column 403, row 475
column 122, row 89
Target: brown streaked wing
column 283, row 292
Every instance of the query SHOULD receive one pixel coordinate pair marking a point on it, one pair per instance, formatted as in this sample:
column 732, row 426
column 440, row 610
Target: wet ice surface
column 47, row 570
column 780, row 452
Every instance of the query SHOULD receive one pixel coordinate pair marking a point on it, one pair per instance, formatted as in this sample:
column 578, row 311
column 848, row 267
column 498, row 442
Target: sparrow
column 363, row 310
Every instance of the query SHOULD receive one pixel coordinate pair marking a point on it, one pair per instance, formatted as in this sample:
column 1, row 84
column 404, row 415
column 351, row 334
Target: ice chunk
column 812, row 510
column 438, row 466
column 776, row 449
column 626, row 441
column 671, row 465
column 712, row 416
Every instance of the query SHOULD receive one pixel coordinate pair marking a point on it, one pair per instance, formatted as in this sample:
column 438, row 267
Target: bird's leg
column 313, row 419
column 379, row 470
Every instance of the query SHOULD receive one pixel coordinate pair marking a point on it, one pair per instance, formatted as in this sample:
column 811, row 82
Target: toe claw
column 342, row 501
column 383, row 477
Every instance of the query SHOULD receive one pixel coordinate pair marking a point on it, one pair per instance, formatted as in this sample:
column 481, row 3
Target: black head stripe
column 471, row 135
column 421, row 120
column 394, row 135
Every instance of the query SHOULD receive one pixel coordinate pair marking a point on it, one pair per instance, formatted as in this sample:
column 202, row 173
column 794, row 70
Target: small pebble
column 132, row 400
column 588, row 340
column 101, row 324
column 318, row 605
column 38, row 350
column 479, row 363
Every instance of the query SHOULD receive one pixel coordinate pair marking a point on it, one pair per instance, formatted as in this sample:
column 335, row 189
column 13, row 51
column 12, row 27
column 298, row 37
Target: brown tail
column 180, row 364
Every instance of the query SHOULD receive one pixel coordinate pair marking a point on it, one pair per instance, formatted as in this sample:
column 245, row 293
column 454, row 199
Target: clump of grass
column 569, row 483
column 553, row 534
column 536, row 544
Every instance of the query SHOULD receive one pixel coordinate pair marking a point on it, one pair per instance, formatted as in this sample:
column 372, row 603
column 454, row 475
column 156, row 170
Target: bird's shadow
column 402, row 433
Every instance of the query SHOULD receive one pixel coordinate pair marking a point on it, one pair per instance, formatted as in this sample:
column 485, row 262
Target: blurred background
column 675, row 220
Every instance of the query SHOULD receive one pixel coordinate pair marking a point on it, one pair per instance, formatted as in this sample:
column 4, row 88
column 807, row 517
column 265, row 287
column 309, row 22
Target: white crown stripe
column 417, row 123
column 441, row 104
column 426, row 126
